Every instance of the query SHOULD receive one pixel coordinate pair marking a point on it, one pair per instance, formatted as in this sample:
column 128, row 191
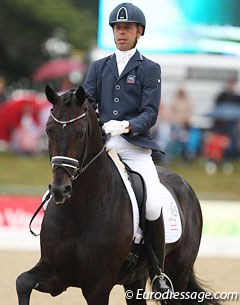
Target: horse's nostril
column 67, row 191
column 60, row 192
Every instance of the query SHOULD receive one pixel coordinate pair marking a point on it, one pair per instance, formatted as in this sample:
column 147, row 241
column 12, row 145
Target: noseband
column 71, row 165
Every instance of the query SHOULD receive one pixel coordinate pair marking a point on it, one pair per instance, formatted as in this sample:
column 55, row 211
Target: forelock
column 68, row 97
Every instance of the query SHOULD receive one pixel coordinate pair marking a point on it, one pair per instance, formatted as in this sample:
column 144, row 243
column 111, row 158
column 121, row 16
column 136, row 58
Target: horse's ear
column 80, row 95
column 51, row 95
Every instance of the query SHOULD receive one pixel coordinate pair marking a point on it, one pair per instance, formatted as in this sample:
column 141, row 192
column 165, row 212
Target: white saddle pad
column 172, row 221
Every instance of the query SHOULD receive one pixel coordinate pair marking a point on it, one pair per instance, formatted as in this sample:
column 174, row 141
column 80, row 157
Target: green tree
column 25, row 26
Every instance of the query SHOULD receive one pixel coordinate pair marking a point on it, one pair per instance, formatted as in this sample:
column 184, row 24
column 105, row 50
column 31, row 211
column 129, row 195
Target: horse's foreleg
column 25, row 284
column 98, row 292
column 97, row 297
column 40, row 278
column 134, row 292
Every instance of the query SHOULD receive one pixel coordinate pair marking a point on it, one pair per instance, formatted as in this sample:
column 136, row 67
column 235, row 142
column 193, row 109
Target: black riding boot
column 156, row 254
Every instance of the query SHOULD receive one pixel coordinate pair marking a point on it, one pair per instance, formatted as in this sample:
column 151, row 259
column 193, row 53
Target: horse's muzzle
column 60, row 193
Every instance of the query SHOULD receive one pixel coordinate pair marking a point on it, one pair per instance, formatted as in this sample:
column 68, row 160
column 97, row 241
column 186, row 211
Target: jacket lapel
column 112, row 64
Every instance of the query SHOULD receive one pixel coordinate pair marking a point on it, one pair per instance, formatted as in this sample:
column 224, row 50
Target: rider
column 126, row 88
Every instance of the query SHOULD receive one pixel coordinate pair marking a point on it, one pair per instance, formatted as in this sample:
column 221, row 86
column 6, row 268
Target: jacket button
column 117, row 87
column 115, row 112
column 116, row 99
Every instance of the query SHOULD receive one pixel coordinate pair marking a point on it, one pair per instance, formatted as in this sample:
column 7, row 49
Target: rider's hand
column 116, row 128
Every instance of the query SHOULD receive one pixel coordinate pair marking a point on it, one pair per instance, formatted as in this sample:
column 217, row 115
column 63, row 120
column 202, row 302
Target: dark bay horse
column 87, row 228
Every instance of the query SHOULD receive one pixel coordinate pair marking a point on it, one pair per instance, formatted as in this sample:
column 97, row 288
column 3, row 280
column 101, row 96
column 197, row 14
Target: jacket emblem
column 131, row 79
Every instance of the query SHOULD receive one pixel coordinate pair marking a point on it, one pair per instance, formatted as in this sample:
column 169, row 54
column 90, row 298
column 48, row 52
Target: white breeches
column 140, row 160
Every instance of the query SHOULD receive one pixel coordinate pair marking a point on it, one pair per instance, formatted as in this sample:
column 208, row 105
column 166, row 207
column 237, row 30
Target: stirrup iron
column 164, row 277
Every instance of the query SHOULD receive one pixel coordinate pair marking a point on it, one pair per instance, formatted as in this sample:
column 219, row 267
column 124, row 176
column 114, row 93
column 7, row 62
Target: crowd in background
column 174, row 131
column 180, row 138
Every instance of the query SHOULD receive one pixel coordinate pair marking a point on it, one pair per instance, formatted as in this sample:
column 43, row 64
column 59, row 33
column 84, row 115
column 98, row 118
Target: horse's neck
column 92, row 185
column 99, row 170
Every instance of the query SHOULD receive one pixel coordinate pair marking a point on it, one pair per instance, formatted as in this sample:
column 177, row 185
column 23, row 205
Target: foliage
column 27, row 24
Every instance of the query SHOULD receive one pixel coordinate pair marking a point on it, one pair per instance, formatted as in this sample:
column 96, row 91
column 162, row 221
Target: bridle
column 70, row 165
column 64, row 123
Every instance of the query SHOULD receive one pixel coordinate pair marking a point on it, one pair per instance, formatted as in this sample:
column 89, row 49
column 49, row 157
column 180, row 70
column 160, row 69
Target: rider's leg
column 156, row 254
column 140, row 160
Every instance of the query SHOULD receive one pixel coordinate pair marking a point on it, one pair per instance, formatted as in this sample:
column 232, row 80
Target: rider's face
column 126, row 35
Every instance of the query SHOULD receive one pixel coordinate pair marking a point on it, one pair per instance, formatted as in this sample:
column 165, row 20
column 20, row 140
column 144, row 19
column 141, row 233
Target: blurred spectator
column 162, row 134
column 181, row 109
column 173, row 131
column 215, row 149
column 228, row 126
column 25, row 138
column 3, row 95
column 215, row 146
column 185, row 139
column 229, row 94
column 192, row 147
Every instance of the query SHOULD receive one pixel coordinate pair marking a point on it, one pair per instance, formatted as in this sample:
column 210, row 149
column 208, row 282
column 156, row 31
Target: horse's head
column 74, row 139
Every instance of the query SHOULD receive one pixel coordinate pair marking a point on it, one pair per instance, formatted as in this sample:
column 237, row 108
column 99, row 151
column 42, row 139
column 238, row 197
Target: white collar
column 124, row 56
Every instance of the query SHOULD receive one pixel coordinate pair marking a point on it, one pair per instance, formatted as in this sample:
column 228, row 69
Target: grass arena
column 218, row 263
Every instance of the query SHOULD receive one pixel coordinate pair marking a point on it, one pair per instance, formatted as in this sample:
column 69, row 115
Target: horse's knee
column 25, row 282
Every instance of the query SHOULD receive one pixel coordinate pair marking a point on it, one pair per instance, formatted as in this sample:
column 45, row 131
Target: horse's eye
column 48, row 131
column 81, row 132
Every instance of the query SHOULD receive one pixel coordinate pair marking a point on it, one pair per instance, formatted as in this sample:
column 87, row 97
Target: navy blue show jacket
column 133, row 96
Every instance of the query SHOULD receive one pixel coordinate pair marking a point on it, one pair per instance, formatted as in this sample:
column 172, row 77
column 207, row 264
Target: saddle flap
column 139, row 188
column 137, row 184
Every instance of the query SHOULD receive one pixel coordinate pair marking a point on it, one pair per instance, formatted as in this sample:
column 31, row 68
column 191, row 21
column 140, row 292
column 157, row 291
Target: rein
column 37, row 211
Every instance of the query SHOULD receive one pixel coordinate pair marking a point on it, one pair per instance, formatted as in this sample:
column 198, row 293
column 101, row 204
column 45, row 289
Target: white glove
column 116, row 128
